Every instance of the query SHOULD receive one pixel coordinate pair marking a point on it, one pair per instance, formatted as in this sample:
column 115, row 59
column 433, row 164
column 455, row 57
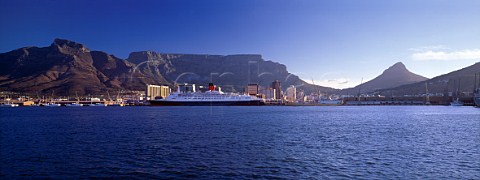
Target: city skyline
column 334, row 43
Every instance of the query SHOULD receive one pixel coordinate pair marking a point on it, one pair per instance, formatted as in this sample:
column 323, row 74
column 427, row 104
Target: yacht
column 74, row 105
column 331, row 101
column 52, row 105
column 52, row 102
column 97, row 105
column 8, row 105
column 456, row 102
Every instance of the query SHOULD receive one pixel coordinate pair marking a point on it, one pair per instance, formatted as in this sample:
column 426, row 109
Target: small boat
column 96, row 105
column 8, row 105
column 456, row 102
column 330, row 102
column 52, row 105
column 74, row 105
column 52, row 102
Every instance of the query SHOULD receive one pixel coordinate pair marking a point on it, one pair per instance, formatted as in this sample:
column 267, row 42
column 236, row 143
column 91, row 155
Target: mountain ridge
column 394, row 76
column 462, row 79
column 67, row 67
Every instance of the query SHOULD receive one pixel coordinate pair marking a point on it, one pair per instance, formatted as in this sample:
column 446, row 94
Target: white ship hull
column 206, row 103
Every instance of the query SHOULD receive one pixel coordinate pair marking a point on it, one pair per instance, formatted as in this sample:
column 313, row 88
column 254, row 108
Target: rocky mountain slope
column 394, row 76
column 463, row 80
column 67, row 67
column 232, row 72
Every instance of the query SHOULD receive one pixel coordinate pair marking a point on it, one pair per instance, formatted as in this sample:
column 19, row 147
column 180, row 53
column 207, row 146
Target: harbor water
column 374, row 142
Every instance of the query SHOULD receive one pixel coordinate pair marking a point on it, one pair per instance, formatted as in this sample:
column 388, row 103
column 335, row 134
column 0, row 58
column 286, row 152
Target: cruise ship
column 208, row 98
column 476, row 98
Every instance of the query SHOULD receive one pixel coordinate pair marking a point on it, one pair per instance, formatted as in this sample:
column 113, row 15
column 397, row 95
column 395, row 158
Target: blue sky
column 335, row 42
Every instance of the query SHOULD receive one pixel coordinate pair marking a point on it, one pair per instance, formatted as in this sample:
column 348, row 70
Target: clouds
column 428, row 48
column 441, row 53
column 338, row 83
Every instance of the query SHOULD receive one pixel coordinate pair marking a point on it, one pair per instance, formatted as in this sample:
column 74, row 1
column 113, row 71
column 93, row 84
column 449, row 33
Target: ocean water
column 387, row 142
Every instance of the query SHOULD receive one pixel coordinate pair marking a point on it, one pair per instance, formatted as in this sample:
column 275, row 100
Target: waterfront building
column 312, row 98
column 300, row 95
column 278, row 89
column 252, row 89
column 291, row 93
column 269, row 93
column 28, row 103
column 156, row 91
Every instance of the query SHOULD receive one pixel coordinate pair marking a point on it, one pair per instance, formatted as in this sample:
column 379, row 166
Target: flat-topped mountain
column 66, row 67
column 394, row 76
column 232, row 72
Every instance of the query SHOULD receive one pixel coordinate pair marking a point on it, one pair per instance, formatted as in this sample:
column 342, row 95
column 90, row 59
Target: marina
column 218, row 98
column 254, row 95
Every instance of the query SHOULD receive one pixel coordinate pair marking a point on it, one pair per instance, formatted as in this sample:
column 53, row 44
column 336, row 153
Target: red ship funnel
column 211, row 87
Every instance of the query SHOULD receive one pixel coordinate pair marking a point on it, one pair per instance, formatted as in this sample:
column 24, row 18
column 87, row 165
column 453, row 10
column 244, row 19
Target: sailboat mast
column 458, row 88
column 359, row 88
column 78, row 99
column 475, row 84
column 427, row 97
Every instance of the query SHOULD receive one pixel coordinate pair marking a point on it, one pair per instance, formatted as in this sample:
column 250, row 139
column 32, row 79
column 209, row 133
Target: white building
column 291, row 93
column 156, row 91
column 269, row 93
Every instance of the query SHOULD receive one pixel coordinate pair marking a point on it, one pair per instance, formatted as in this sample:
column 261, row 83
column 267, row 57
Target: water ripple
column 241, row 143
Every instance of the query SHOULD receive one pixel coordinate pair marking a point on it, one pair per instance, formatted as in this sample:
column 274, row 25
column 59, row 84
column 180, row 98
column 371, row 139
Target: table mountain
column 232, row 72
column 67, row 67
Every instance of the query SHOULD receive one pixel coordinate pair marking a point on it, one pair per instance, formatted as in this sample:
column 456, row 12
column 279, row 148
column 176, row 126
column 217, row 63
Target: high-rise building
column 269, row 93
column 156, row 91
column 278, row 89
column 252, row 89
column 291, row 94
column 300, row 95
